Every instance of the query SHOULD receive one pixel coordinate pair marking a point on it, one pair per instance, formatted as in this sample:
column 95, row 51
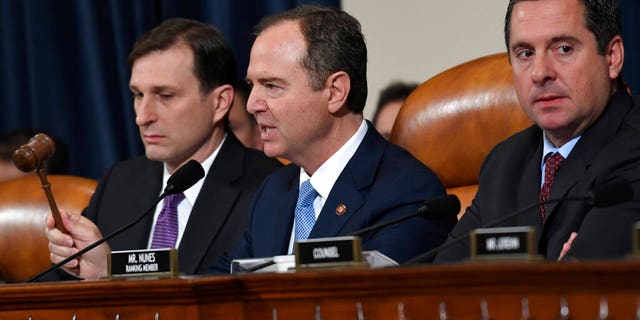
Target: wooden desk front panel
column 400, row 293
column 419, row 293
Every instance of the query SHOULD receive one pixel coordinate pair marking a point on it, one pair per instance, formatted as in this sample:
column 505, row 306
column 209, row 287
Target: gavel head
column 34, row 153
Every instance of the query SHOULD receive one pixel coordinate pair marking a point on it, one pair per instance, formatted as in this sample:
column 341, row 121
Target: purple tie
column 166, row 231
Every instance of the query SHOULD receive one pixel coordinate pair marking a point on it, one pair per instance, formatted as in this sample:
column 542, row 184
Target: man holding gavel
column 182, row 81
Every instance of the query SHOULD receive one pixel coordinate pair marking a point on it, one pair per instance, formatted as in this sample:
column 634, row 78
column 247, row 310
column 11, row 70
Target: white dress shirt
column 190, row 196
column 325, row 177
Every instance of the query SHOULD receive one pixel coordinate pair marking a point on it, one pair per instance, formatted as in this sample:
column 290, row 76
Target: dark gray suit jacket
column 510, row 180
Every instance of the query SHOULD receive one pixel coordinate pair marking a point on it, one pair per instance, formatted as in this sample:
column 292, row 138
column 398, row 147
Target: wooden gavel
column 31, row 156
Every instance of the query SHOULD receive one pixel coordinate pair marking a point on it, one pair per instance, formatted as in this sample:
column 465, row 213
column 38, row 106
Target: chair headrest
column 452, row 121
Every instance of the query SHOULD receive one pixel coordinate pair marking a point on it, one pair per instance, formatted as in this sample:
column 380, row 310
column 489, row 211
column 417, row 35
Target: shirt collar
column 327, row 174
column 564, row 150
column 192, row 193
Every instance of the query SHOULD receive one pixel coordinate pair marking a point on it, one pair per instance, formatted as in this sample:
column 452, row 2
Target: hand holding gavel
column 31, row 156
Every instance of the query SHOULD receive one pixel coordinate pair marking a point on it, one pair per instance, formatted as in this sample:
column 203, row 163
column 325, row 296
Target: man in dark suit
column 307, row 70
column 566, row 58
column 182, row 80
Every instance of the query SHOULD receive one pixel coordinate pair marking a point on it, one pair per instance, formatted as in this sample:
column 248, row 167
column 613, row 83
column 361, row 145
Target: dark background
column 64, row 71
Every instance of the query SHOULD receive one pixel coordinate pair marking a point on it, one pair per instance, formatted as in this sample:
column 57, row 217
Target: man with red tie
column 566, row 57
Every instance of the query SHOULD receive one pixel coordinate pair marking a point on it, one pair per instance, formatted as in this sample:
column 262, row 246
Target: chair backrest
column 23, row 208
column 452, row 121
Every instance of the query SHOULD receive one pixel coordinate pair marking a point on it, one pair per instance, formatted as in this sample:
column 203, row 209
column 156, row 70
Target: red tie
column 552, row 165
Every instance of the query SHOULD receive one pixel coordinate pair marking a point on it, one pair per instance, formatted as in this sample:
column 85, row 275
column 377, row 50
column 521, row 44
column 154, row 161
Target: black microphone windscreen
column 441, row 207
column 184, row 177
column 610, row 193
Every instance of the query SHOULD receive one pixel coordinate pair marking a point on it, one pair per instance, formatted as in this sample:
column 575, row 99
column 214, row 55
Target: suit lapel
column 271, row 221
column 285, row 201
column 349, row 188
column 213, row 205
column 588, row 147
column 345, row 195
column 529, row 189
column 147, row 188
column 568, row 175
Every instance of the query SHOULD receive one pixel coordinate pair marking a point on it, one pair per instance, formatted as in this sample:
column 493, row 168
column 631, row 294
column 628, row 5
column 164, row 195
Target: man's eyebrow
column 560, row 38
column 154, row 88
column 519, row 44
column 267, row 79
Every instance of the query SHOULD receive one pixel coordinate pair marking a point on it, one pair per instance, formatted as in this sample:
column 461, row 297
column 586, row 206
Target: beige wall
column 412, row 40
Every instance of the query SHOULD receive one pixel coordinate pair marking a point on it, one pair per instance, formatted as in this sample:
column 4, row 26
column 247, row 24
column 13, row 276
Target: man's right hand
column 82, row 232
column 567, row 245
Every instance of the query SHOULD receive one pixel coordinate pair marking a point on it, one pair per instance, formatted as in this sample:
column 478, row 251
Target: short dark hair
column 334, row 43
column 213, row 60
column 396, row 91
column 602, row 19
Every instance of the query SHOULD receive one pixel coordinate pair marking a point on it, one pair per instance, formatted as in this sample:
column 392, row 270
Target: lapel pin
column 341, row 209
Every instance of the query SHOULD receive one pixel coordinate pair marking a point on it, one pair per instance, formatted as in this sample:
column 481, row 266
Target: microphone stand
column 97, row 243
column 448, row 244
column 182, row 179
column 418, row 212
column 445, row 206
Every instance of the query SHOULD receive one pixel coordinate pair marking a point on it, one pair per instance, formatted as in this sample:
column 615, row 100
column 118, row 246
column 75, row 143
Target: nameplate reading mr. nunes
column 329, row 252
column 510, row 243
column 136, row 263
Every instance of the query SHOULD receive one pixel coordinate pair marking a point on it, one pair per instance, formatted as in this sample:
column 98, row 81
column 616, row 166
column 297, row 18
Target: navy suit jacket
column 380, row 182
column 218, row 217
column 510, row 180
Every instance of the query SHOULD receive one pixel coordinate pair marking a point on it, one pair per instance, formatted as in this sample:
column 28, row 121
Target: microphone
column 181, row 180
column 604, row 195
column 432, row 209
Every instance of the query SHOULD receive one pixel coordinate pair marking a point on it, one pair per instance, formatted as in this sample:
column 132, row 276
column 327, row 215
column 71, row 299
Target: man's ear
column 221, row 98
column 615, row 56
column 339, row 86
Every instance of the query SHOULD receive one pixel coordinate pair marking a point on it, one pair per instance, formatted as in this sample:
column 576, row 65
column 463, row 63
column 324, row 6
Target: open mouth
column 266, row 131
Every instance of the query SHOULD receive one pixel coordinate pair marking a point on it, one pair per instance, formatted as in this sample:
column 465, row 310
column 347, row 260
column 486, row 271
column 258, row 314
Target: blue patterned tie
column 305, row 215
column 166, row 231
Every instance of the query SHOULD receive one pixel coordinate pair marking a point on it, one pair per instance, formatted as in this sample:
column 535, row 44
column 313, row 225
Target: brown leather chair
column 23, row 208
column 452, row 121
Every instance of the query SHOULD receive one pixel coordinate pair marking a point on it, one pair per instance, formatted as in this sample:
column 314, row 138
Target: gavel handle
column 46, row 186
